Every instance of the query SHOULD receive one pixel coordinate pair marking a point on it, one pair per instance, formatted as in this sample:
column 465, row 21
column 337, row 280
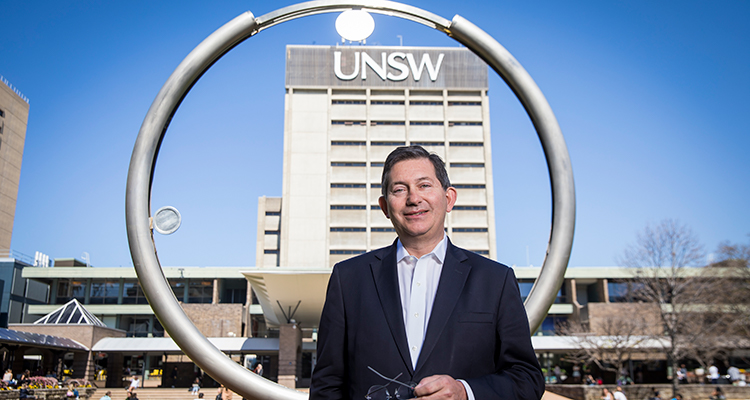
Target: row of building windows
column 363, row 143
column 349, row 229
column 414, row 103
column 380, row 164
column 347, row 252
column 402, row 123
column 129, row 291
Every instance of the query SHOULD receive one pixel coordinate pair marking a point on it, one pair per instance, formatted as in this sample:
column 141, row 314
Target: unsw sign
column 401, row 63
column 371, row 66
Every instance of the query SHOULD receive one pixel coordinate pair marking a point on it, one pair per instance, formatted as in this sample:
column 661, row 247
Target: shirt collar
column 438, row 252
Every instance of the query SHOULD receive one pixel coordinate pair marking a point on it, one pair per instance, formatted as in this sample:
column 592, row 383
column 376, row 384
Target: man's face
column 416, row 202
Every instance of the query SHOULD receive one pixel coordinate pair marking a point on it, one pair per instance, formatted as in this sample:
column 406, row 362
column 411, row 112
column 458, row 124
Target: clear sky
column 652, row 98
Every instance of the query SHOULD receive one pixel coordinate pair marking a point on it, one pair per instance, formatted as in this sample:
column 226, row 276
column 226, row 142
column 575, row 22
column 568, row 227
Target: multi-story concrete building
column 346, row 108
column 14, row 114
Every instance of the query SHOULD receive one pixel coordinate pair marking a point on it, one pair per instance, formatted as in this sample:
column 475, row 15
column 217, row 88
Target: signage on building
column 377, row 66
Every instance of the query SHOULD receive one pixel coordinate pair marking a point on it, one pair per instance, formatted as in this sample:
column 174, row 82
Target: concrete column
column 83, row 365
column 290, row 354
column 215, row 298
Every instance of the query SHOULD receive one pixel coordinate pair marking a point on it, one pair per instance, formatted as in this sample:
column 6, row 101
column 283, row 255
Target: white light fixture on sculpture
column 355, row 25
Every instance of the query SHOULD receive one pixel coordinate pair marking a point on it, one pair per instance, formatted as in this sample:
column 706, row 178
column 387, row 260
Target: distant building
column 14, row 114
column 346, row 109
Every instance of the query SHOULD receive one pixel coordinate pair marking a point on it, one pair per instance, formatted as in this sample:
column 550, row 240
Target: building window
column 132, row 293
column 347, row 164
column 2, row 113
column 348, row 207
column 348, row 185
column 426, row 103
column 276, row 232
column 456, row 123
column 374, row 207
column 383, row 230
column 427, row 144
column 426, row 123
column 69, row 289
column 377, row 123
column 200, row 291
column 347, row 102
column 464, row 103
column 376, row 185
column 469, row 229
column 270, row 251
column 178, row 288
column 348, row 123
column 467, row 165
column 471, row 208
column 104, row 291
column 387, row 143
column 345, row 143
column 234, row 291
column 273, row 213
column 141, row 326
column 387, row 102
column 347, row 252
column 460, row 186
column 347, row 229
column 467, row 144
column 482, row 252
column 621, row 292
column 377, row 164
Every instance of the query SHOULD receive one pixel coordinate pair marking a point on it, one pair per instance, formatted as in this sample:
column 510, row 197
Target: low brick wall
column 48, row 394
column 643, row 392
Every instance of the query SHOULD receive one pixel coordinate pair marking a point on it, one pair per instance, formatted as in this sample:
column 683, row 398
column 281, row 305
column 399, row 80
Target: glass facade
column 104, row 291
column 68, row 289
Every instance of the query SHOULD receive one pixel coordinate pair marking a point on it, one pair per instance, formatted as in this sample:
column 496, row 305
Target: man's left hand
column 440, row 387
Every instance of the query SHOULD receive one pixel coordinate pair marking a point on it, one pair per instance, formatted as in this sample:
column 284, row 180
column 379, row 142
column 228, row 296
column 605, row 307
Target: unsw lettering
column 393, row 60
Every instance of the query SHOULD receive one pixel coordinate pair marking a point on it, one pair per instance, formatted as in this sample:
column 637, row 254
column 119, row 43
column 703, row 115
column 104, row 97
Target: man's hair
column 412, row 153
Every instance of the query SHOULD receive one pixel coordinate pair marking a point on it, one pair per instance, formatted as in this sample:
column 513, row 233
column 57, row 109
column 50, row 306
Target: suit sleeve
column 518, row 375
column 329, row 377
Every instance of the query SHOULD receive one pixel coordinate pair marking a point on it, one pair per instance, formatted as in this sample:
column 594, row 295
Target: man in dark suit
column 422, row 309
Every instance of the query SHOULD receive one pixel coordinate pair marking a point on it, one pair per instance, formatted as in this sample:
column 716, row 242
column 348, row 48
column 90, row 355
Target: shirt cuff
column 469, row 393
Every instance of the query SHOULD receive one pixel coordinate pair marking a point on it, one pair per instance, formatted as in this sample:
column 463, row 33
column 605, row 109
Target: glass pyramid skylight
column 72, row 313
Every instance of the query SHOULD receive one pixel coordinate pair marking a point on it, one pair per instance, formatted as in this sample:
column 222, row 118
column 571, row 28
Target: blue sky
column 652, row 98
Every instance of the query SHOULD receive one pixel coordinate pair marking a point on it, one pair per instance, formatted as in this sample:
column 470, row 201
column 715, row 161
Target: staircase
column 160, row 394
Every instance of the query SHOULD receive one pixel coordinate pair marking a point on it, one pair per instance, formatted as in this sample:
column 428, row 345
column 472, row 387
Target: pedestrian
column 734, row 374
column 107, row 396
column 606, row 395
column 135, row 383
column 25, row 393
column 196, row 386
column 713, row 374
column 718, row 394
column 619, row 395
column 258, row 368
column 200, row 396
column 224, row 393
column 677, row 397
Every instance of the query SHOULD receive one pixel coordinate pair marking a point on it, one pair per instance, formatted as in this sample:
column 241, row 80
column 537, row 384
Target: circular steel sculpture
column 143, row 161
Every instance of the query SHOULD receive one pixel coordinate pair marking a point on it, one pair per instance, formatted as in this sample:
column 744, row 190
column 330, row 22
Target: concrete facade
column 340, row 126
column 14, row 114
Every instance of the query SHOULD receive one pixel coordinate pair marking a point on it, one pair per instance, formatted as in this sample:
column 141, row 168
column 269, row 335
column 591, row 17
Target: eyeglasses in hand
column 380, row 392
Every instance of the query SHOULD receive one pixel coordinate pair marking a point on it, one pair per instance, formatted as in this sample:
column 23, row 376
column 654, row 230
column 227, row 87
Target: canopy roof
column 12, row 337
column 290, row 293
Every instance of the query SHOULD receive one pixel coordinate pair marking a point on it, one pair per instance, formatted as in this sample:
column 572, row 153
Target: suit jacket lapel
column 452, row 281
column 385, row 274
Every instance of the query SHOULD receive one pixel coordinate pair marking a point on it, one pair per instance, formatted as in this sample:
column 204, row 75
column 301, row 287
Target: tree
column 610, row 344
column 664, row 258
column 736, row 291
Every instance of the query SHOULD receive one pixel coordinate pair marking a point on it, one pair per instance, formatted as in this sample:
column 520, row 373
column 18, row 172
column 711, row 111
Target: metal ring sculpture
column 143, row 161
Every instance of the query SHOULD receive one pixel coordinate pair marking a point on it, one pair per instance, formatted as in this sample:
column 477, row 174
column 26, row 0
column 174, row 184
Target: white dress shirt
column 418, row 280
